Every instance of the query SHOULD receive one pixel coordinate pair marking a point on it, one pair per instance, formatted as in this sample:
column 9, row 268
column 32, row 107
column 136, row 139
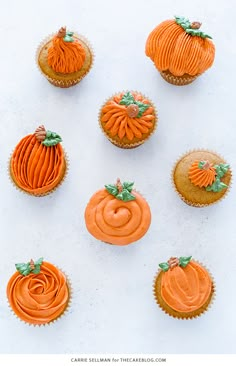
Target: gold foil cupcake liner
column 65, row 83
column 177, row 80
column 177, row 315
column 64, row 312
column 194, row 204
column 131, row 145
column 67, row 163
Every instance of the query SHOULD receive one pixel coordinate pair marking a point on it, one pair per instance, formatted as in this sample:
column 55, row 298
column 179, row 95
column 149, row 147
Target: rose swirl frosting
column 38, row 298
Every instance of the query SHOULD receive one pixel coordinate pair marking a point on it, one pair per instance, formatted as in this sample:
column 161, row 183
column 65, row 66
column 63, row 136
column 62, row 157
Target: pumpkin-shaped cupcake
column 183, row 288
column 117, row 214
column 38, row 292
column 180, row 50
column 201, row 178
column 64, row 58
column 38, row 163
column 128, row 119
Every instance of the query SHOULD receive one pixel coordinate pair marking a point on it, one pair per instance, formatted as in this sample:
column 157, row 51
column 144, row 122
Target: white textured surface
column 113, row 308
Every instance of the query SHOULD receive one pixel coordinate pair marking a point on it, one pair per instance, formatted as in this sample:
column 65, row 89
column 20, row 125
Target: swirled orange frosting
column 186, row 289
column 118, row 120
column 202, row 177
column 66, row 57
column 36, row 168
column 38, row 298
column 171, row 48
column 117, row 222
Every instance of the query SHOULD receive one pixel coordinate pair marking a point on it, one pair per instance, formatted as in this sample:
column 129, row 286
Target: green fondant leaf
column 23, row 268
column 201, row 164
column 67, row 38
column 112, row 189
column 52, row 139
column 142, row 108
column 217, row 186
column 127, row 99
column 70, row 34
column 36, row 269
column 128, row 186
column 197, row 32
column 125, row 196
column 39, row 261
column 221, row 169
column 183, row 261
column 184, row 22
column 164, row 266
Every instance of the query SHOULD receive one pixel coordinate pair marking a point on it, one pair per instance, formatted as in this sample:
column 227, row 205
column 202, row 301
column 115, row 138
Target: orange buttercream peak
column 202, row 174
column 66, row 55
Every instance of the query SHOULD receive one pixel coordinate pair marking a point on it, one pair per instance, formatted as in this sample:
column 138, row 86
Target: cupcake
column 38, row 292
column 201, row 178
column 128, row 119
column 117, row 214
column 38, row 163
column 180, row 50
column 64, row 58
column 183, row 288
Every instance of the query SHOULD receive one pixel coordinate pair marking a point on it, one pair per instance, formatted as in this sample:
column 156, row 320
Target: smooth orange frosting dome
column 171, row 48
column 202, row 177
column 186, row 289
column 37, row 168
column 66, row 57
column 122, row 120
column 117, row 222
column 38, row 298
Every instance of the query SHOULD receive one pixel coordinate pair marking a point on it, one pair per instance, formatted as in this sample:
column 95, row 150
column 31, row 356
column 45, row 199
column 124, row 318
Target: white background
column 113, row 310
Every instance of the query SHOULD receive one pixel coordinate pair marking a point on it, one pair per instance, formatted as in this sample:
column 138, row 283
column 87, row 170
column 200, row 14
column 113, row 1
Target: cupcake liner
column 41, row 194
column 71, row 82
column 65, row 311
column 177, row 80
column 194, row 204
column 175, row 314
column 135, row 144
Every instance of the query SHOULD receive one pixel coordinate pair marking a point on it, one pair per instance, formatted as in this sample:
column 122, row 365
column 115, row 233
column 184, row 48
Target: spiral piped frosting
column 117, row 222
column 38, row 298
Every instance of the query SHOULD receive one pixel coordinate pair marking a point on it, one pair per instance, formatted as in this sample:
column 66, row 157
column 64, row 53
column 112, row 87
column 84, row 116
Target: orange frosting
column 66, row 57
column 171, row 48
column 186, row 289
column 202, row 177
column 38, row 298
column 115, row 221
column 36, row 168
column 122, row 120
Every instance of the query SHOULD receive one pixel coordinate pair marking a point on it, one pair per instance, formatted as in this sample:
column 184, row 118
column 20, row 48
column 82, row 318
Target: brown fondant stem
column 40, row 133
column 62, row 32
column 173, row 262
column 32, row 264
column 195, row 25
column 132, row 110
column 119, row 185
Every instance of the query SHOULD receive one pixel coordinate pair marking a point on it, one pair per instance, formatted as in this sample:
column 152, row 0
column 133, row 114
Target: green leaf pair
column 217, row 185
column 183, row 261
column 69, row 37
column 186, row 25
column 128, row 99
column 125, row 195
column 52, row 139
column 25, row 269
